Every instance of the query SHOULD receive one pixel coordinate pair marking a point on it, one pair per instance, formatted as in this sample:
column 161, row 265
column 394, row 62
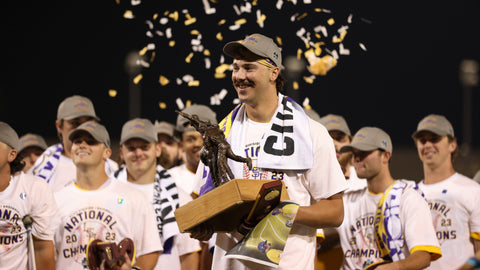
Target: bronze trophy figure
column 215, row 150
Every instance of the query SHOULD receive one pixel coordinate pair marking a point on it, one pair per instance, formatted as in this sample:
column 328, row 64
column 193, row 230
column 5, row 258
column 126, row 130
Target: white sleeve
column 44, row 210
column 417, row 222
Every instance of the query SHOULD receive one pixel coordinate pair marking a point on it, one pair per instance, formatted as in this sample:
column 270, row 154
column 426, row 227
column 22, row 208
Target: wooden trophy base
column 223, row 207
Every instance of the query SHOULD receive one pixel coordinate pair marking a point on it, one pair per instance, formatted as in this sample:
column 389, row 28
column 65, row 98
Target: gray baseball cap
column 140, row 128
column 335, row 122
column 8, row 135
column 368, row 139
column 435, row 123
column 163, row 127
column 258, row 44
column 29, row 140
column 95, row 129
column 203, row 112
column 76, row 106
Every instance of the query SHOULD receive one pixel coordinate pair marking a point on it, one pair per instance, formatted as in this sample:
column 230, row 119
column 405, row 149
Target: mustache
column 245, row 82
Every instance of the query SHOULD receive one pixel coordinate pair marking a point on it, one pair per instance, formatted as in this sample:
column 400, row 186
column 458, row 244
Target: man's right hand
column 202, row 232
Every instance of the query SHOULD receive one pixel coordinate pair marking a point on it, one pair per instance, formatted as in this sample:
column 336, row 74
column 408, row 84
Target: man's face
column 367, row 164
column 29, row 156
column 250, row 79
column 340, row 139
column 434, row 150
column 65, row 127
column 86, row 151
column 192, row 143
column 139, row 155
column 170, row 151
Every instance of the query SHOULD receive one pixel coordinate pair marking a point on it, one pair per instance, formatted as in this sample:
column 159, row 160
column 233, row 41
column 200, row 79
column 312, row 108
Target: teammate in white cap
column 389, row 220
column 453, row 198
column 97, row 206
column 21, row 195
column 55, row 164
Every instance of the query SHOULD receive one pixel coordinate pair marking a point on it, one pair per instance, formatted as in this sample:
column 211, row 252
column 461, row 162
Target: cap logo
column 275, row 55
column 250, row 40
column 137, row 127
column 30, row 139
column 332, row 122
column 89, row 126
column 80, row 105
column 360, row 136
column 384, row 143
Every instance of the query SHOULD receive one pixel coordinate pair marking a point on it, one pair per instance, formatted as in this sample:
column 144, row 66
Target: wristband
column 473, row 261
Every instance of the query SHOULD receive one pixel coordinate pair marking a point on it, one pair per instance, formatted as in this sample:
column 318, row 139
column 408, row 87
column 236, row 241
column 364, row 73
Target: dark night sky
column 58, row 48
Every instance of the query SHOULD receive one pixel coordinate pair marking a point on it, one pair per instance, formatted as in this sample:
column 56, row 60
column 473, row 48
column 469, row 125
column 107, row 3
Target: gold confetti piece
column 279, row 41
column 302, row 16
column 143, row 51
column 318, row 10
column 155, row 16
column 162, row 105
column 320, row 66
column 171, row 43
column 174, row 15
column 331, row 21
column 295, row 85
column 194, row 83
column 112, row 93
column 118, row 2
column 240, row 21
column 308, row 79
column 194, row 32
column 219, row 36
column 308, row 107
column 254, row 3
column 220, row 75
column 262, row 18
column 152, row 57
column 317, row 35
column 188, row 103
column 188, row 59
column 206, row 52
column 128, row 14
column 166, row 13
column 318, row 50
column 336, row 39
column 190, row 21
column 299, row 53
column 222, row 21
column 163, row 80
column 137, row 78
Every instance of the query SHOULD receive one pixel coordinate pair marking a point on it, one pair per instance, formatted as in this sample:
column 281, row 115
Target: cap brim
column 233, row 48
column 359, row 146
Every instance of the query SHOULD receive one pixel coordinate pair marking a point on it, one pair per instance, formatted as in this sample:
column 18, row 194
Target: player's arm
column 476, row 244
column 323, row 214
column 417, row 260
column 190, row 260
column 147, row 261
column 44, row 254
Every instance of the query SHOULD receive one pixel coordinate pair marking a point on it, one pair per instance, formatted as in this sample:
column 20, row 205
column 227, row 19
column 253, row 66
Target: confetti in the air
column 194, row 33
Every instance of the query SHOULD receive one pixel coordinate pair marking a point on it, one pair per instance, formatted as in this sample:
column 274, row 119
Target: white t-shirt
column 357, row 232
column 25, row 195
column 322, row 181
column 111, row 213
column 183, row 244
column 185, row 181
column 454, row 205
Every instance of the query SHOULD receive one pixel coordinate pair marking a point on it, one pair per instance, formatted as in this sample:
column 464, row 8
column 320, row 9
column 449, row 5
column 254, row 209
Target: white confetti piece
column 306, row 102
column 179, row 81
column 234, row 27
column 180, row 104
column 208, row 63
column 168, row 33
column 362, row 46
column 349, row 20
column 343, row 51
column 187, row 78
column 163, row 20
column 222, row 93
column 321, row 28
column 208, row 10
column 279, row 4
column 236, row 101
column 136, row 2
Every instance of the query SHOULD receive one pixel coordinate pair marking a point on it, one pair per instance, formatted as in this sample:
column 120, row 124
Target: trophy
column 232, row 202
